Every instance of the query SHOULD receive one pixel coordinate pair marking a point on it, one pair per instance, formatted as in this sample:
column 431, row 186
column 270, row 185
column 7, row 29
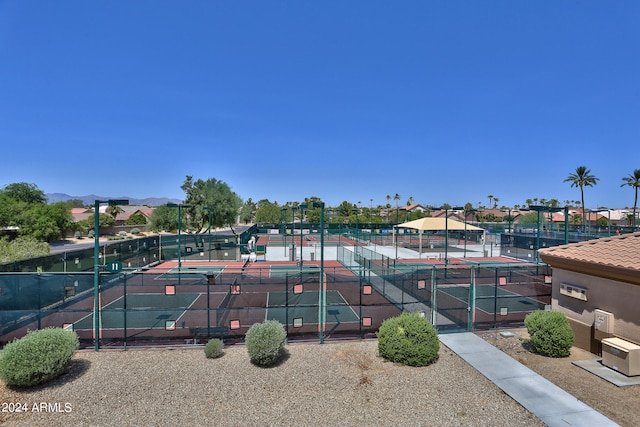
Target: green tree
column 248, row 211
column 25, row 192
column 10, row 210
column 164, row 218
column 24, row 206
column 633, row 180
column 75, row 203
column 345, row 211
column 269, row 213
column 46, row 222
column 582, row 178
column 531, row 218
column 104, row 221
column 136, row 219
column 214, row 194
column 22, row 248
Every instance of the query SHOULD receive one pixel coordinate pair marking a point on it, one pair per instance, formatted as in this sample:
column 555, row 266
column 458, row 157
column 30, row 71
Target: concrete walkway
column 545, row 400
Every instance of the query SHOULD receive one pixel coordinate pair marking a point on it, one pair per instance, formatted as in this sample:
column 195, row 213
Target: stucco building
column 597, row 285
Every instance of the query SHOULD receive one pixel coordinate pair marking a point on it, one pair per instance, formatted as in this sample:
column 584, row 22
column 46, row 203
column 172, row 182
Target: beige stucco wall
column 621, row 299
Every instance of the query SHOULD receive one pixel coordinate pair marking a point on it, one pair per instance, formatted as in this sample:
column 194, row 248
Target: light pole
column 539, row 209
column 179, row 206
column 608, row 216
column 465, row 213
column 96, row 265
column 283, row 218
column 446, row 236
column 208, row 209
column 322, row 294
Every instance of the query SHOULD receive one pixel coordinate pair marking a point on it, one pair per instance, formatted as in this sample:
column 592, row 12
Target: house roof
column 412, row 207
column 616, row 258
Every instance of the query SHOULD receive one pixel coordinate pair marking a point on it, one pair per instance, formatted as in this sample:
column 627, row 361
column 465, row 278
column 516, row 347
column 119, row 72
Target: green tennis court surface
column 290, row 270
column 144, row 311
column 408, row 267
column 303, row 308
column 196, row 272
column 508, row 300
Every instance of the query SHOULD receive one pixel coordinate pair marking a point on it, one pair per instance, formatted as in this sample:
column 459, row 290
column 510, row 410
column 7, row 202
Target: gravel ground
column 342, row 383
column 620, row 404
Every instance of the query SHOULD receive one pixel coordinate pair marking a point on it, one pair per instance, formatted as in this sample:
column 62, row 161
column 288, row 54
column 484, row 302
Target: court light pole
column 322, row 294
column 609, row 218
column 465, row 212
column 179, row 206
column 446, row 236
column 96, row 265
column 283, row 219
column 208, row 209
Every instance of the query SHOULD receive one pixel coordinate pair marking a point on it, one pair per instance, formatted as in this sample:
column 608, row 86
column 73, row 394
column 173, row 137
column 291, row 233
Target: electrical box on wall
column 602, row 324
column 603, row 321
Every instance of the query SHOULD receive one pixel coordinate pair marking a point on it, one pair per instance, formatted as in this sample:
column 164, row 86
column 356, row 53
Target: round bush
column 265, row 342
column 38, row 357
column 213, row 349
column 550, row 333
column 135, row 231
column 409, row 339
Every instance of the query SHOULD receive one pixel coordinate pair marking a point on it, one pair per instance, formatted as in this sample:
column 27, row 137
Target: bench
column 204, row 332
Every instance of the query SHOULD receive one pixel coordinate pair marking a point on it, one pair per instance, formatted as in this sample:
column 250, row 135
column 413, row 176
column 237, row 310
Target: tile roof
column 612, row 257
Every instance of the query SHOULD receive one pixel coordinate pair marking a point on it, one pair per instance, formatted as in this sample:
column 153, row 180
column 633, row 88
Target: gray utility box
column 622, row 356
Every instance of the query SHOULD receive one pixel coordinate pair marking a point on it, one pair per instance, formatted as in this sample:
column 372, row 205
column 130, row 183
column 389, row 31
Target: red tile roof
column 616, row 257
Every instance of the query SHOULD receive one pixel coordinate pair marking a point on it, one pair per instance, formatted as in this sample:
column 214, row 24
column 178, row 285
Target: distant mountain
column 91, row 198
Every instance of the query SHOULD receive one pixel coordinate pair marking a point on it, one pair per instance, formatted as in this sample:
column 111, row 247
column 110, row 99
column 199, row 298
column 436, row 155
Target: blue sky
column 442, row 101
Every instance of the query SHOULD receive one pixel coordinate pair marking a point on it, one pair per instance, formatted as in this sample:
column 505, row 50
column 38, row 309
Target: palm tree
column 396, row 197
column 633, row 180
column 495, row 202
column 490, row 197
column 582, row 178
column 388, row 206
column 409, row 203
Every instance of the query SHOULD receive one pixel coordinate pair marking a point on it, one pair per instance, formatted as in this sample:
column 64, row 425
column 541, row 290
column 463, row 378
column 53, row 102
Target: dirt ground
column 620, row 404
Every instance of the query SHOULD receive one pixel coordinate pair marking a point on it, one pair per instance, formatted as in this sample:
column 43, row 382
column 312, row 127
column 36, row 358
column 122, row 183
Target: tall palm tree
column 633, row 180
column 388, row 206
column 396, row 197
column 582, row 178
column 490, row 197
column 409, row 203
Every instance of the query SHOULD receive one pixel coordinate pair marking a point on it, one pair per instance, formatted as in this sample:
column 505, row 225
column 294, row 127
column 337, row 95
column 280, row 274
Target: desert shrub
column 213, row 348
column 122, row 233
column 409, row 339
column 550, row 333
column 38, row 357
column 265, row 342
column 91, row 234
column 77, row 235
column 135, row 231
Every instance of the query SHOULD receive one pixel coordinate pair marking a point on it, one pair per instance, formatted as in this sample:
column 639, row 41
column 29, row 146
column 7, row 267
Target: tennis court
column 198, row 272
column 302, row 308
column 292, row 269
column 492, row 299
column 143, row 311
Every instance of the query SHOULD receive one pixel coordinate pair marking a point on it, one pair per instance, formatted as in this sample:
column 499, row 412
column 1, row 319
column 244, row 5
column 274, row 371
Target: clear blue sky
column 442, row 101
